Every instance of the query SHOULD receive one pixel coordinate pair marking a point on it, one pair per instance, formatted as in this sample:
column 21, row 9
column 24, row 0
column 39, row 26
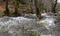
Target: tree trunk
column 7, row 10
column 16, row 8
column 31, row 6
column 38, row 9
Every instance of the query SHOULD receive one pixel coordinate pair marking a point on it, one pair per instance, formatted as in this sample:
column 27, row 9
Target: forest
column 33, row 6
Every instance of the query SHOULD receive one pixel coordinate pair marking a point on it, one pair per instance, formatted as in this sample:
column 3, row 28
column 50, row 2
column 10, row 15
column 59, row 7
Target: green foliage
column 34, row 33
column 23, row 1
column 1, row 14
column 7, row 10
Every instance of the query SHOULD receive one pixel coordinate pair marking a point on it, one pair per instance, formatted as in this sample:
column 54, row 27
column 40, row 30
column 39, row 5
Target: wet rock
column 30, row 16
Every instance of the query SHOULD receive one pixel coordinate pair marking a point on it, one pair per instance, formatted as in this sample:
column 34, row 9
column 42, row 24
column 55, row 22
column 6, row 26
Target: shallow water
column 15, row 25
column 22, row 26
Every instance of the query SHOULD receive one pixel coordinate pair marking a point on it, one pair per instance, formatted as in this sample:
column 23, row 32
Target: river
column 22, row 26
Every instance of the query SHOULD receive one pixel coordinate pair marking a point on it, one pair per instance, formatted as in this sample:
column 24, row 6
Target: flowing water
column 22, row 26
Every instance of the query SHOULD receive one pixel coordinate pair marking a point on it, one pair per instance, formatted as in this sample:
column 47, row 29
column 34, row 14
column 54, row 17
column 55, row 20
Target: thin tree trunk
column 7, row 10
column 53, row 8
column 31, row 6
column 38, row 9
column 16, row 7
